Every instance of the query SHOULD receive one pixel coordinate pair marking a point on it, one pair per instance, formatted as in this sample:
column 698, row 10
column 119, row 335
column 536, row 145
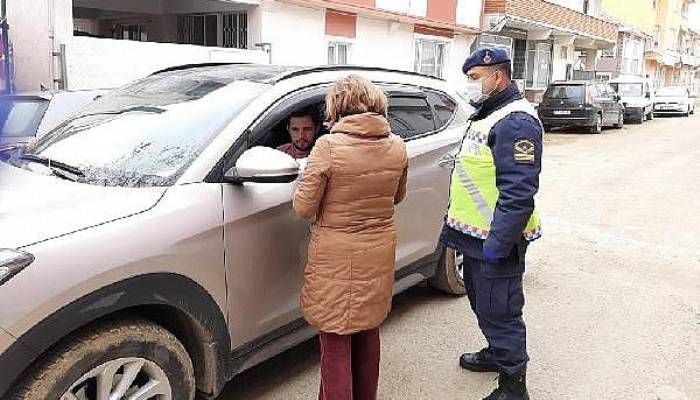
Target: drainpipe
column 4, row 31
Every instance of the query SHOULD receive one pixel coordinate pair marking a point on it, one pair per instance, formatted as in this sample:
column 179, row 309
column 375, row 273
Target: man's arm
column 312, row 187
column 516, row 142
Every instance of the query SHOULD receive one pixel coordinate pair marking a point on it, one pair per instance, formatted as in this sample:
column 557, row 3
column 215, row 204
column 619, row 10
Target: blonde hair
column 354, row 95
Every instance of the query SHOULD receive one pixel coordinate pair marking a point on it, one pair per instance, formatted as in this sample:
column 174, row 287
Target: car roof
column 272, row 74
column 629, row 79
column 575, row 82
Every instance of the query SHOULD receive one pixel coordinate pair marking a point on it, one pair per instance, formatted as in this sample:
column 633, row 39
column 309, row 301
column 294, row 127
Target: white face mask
column 475, row 90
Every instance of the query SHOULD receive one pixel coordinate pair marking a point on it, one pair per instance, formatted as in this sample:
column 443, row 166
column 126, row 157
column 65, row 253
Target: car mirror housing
column 263, row 165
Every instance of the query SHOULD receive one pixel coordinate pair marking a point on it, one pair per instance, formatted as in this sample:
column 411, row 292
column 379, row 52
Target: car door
column 607, row 102
column 432, row 124
column 265, row 242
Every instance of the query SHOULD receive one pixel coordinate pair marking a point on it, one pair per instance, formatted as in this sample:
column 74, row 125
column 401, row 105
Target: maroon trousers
column 349, row 366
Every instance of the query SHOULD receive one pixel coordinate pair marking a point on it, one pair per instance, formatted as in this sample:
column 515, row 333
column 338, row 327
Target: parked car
column 584, row 104
column 637, row 97
column 26, row 116
column 162, row 252
column 674, row 100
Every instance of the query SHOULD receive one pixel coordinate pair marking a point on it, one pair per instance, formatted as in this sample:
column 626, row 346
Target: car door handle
column 447, row 161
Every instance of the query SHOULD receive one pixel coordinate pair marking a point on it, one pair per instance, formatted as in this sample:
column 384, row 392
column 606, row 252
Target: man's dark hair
column 306, row 112
column 505, row 69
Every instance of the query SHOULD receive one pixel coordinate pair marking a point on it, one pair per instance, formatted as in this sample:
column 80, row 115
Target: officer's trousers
column 496, row 296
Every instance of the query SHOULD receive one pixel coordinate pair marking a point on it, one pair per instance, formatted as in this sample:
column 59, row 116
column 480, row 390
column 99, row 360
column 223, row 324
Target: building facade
column 80, row 44
column 548, row 40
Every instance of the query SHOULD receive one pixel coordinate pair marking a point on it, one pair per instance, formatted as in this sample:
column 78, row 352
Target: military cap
column 484, row 57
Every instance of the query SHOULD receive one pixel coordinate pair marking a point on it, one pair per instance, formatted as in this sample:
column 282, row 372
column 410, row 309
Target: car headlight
column 13, row 261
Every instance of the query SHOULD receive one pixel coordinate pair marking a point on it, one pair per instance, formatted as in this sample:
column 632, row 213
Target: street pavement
column 612, row 289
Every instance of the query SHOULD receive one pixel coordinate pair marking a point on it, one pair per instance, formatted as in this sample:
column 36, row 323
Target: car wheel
column 449, row 277
column 650, row 117
column 134, row 359
column 547, row 128
column 687, row 112
column 620, row 121
column 598, row 127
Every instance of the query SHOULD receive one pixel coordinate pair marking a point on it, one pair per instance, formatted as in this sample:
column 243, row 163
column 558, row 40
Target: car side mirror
column 263, row 165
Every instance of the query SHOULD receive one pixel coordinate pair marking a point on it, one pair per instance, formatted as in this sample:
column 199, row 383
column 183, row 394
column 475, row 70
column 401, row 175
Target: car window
column 410, row 116
column 593, row 91
column 20, row 117
column 444, row 106
column 564, row 92
column 671, row 91
column 147, row 133
column 629, row 89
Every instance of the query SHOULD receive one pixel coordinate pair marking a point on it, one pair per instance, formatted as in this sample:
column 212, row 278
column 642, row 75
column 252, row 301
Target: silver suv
column 148, row 248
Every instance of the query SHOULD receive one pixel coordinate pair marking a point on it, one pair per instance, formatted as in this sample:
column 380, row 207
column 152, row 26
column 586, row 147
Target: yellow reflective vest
column 473, row 191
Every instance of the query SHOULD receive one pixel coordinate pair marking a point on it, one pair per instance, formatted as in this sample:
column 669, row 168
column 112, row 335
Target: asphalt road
column 612, row 289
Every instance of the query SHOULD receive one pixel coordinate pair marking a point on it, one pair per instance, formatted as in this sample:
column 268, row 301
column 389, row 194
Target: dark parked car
column 26, row 116
column 590, row 105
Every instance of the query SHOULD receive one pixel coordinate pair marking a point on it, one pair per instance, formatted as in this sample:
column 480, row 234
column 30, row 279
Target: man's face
column 488, row 76
column 302, row 131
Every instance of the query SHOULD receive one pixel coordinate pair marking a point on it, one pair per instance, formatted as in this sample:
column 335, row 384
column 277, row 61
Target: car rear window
column 20, row 117
column 629, row 89
column 565, row 92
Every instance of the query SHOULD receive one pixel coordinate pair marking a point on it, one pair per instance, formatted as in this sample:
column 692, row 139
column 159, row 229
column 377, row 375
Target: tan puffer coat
column 353, row 180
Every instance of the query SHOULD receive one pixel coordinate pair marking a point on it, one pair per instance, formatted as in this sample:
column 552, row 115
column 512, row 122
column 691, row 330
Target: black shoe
column 510, row 387
column 481, row 361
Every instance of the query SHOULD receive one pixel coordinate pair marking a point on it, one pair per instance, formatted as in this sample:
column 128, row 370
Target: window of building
column 338, row 53
column 133, row 32
column 539, row 61
column 223, row 30
column 430, row 57
column 501, row 42
column 235, row 30
column 632, row 56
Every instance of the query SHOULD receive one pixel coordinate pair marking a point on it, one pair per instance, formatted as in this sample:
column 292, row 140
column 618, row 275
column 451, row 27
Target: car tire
column 598, row 127
column 547, row 128
column 650, row 117
column 121, row 348
column 448, row 278
column 620, row 121
column 687, row 113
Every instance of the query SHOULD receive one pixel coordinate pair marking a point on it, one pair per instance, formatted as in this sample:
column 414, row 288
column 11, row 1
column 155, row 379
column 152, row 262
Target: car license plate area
column 562, row 112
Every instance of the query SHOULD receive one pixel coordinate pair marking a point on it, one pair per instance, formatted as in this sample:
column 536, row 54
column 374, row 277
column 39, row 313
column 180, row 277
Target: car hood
column 671, row 99
column 34, row 207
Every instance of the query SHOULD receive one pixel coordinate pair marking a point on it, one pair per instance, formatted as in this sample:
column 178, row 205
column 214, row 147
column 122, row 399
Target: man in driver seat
column 303, row 127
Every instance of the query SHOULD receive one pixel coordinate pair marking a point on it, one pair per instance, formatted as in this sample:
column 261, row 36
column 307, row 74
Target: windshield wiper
column 143, row 109
column 56, row 166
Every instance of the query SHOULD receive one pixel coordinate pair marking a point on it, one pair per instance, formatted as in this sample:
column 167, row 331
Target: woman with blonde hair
column 353, row 179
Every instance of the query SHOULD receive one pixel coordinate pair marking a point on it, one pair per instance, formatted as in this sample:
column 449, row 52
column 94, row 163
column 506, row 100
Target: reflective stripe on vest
column 473, row 191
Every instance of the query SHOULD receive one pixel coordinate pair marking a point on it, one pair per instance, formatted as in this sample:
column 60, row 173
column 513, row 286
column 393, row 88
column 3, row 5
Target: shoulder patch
column 524, row 151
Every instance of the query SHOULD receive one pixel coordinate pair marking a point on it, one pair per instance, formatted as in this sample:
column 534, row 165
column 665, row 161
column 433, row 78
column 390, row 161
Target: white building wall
column 375, row 37
column 297, row 34
column 459, row 51
column 559, row 62
column 37, row 29
column 469, row 13
column 412, row 7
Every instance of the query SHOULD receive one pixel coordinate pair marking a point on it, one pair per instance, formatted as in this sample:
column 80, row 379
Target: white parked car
column 674, row 100
column 637, row 95
column 26, row 116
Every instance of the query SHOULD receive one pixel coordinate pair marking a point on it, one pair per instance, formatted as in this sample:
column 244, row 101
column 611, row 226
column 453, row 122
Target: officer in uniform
column 492, row 218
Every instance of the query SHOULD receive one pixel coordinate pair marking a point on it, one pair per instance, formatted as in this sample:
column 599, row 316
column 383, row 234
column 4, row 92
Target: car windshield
column 21, row 117
column 629, row 89
column 564, row 92
column 147, row 133
column 671, row 92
